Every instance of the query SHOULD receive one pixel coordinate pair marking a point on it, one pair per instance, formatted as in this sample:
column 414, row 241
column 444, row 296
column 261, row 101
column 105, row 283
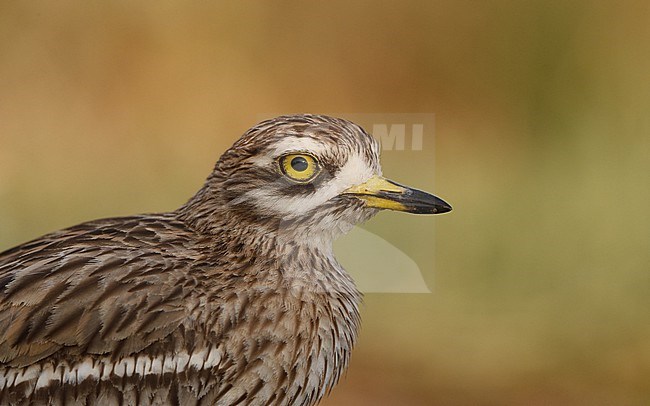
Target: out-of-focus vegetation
column 540, row 276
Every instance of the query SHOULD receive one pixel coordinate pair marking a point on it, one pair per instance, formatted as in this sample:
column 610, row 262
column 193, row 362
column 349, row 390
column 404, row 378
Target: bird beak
column 382, row 193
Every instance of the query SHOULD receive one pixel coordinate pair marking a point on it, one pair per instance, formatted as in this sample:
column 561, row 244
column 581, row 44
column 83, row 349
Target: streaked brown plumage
column 233, row 299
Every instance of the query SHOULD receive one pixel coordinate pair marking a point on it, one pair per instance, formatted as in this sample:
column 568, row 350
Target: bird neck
column 298, row 252
column 239, row 228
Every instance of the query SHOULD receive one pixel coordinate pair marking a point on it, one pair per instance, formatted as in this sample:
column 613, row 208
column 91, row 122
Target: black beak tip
column 437, row 209
column 443, row 208
column 435, row 205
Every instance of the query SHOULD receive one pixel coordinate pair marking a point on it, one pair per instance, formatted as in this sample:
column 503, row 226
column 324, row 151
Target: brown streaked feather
column 69, row 291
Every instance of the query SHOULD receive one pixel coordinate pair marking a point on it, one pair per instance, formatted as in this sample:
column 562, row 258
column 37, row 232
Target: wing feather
column 103, row 287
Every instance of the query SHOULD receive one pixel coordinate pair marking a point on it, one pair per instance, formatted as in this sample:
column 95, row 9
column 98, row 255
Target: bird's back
column 107, row 301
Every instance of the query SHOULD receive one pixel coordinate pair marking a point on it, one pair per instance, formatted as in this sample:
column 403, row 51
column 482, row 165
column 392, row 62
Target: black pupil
column 299, row 164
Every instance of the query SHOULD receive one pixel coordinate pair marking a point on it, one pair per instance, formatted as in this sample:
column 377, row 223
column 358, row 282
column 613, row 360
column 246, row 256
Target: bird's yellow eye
column 299, row 167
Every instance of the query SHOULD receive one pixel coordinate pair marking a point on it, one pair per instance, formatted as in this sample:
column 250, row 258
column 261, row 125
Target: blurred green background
column 541, row 275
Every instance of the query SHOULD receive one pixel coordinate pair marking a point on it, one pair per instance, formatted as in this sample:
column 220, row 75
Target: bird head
column 310, row 173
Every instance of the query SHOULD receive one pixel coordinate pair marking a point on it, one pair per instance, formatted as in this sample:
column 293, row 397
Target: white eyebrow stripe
column 287, row 145
column 293, row 143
